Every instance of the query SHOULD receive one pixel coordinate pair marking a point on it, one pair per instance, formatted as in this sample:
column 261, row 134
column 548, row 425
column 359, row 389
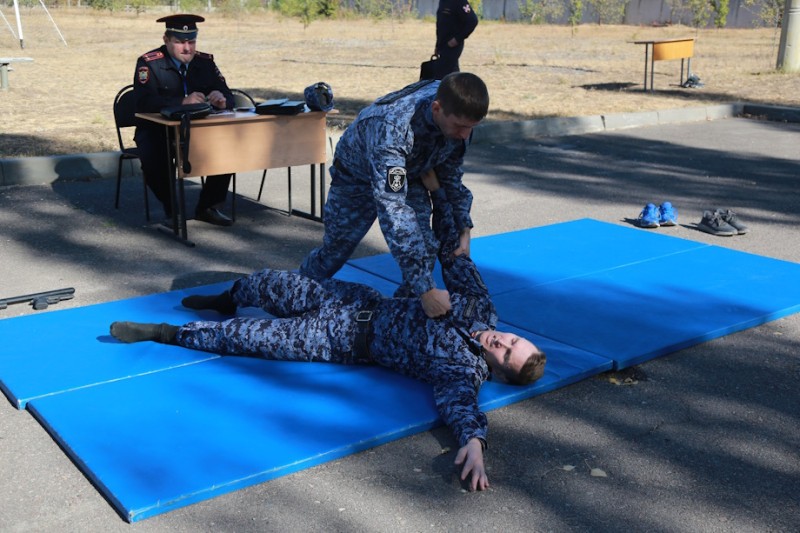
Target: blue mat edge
column 721, row 332
column 134, row 515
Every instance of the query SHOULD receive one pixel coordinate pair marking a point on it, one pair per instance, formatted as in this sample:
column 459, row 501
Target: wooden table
column 4, row 63
column 238, row 142
column 664, row 49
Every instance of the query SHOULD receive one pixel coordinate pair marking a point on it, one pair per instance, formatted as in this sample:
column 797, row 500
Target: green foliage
column 720, row 12
column 609, row 11
column 236, row 8
column 141, row 6
column 379, row 9
column 701, row 12
column 104, row 5
column 306, row 10
column 768, row 12
column 192, row 6
column 327, row 8
column 575, row 13
column 477, row 6
column 540, row 11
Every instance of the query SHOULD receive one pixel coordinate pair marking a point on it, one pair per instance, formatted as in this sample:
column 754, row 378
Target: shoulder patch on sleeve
column 143, row 75
column 395, row 179
column 152, row 56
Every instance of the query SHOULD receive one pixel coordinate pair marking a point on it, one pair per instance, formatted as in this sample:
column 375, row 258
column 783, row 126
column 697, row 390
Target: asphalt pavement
column 702, row 440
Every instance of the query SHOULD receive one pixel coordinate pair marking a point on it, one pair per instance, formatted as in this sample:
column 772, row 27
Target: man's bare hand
column 436, row 302
column 217, row 99
column 471, row 456
column 194, row 98
column 452, row 43
column 430, row 181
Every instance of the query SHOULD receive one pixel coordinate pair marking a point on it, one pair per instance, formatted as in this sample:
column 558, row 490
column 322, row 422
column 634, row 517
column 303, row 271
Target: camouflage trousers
column 315, row 320
column 350, row 211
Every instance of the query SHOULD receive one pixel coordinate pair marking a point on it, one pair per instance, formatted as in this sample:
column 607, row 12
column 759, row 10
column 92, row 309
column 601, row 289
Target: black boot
column 222, row 303
column 138, row 332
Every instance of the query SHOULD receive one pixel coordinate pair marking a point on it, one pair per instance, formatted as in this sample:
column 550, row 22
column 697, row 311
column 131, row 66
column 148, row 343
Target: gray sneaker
column 730, row 218
column 712, row 223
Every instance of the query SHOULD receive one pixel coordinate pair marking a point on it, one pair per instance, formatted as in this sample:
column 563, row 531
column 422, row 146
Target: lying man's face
column 506, row 353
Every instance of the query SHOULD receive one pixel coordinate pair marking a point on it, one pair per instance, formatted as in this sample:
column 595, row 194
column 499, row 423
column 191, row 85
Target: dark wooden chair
column 124, row 117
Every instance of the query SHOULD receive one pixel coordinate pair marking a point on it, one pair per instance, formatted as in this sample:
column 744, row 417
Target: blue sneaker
column 668, row 215
column 649, row 216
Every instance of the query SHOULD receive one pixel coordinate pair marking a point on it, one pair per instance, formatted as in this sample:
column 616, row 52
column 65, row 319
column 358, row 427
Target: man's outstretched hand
column 435, row 302
column 471, row 456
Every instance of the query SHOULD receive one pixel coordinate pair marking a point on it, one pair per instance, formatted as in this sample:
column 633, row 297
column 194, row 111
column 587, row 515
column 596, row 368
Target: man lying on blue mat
column 343, row 322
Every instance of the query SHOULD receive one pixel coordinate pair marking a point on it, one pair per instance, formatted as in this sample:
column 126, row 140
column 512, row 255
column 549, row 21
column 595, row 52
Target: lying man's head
column 513, row 359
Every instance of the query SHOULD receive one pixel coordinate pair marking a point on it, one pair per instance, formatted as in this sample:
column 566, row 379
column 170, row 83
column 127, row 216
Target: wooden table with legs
column 236, row 142
column 665, row 49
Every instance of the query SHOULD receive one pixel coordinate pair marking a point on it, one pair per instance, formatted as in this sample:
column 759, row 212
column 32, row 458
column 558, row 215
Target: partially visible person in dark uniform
column 455, row 21
column 348, row 323
column 176, row 74
column 377, row 170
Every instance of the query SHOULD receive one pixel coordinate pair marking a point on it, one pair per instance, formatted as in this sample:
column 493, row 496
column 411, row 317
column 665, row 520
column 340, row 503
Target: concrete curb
column 43, row 170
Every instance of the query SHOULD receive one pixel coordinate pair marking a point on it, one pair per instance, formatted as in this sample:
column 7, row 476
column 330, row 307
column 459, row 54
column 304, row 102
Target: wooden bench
column 666, row 49
column 4, row 63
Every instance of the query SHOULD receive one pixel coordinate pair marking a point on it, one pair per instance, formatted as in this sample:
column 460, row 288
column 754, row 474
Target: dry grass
column 61, row 103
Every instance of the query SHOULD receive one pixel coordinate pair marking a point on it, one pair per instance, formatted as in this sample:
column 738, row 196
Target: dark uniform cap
column 182, row 26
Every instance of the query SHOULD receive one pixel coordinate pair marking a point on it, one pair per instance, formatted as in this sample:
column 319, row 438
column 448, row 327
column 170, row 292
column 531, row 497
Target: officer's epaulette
column 152, row 56
column 405, row 91
column 205, row 55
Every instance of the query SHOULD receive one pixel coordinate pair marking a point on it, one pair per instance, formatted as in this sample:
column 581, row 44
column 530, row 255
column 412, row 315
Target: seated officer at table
column 175, row 74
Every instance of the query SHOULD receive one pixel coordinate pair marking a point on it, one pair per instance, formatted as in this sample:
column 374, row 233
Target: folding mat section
column 547, row 254
column 624, row 293
column 58, row 351
column 187, row 434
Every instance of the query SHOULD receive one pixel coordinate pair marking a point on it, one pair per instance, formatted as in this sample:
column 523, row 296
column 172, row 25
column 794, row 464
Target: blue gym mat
column 63, row 350
column 624, row 293
column 180, row 426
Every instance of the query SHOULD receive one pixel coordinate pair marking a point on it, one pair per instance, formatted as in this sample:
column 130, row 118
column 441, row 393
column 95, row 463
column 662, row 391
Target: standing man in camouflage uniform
column 377, row 170
column 455, row 21
column 349, row 323
column 177, row 74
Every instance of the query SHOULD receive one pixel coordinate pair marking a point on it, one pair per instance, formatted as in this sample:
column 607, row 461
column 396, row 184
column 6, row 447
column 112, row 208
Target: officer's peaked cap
column 182, row 26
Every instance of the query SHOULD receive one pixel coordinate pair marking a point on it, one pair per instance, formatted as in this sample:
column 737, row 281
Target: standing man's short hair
column 464, row 95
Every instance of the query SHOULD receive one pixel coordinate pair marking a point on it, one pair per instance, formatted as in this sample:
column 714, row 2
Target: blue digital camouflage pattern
column 318, row 324
column 376, row 174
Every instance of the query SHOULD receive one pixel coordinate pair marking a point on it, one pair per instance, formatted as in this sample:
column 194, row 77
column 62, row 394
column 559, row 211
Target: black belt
column 361, row 353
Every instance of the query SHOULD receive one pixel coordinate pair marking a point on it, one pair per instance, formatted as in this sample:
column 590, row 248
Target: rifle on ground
column 40, row 300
